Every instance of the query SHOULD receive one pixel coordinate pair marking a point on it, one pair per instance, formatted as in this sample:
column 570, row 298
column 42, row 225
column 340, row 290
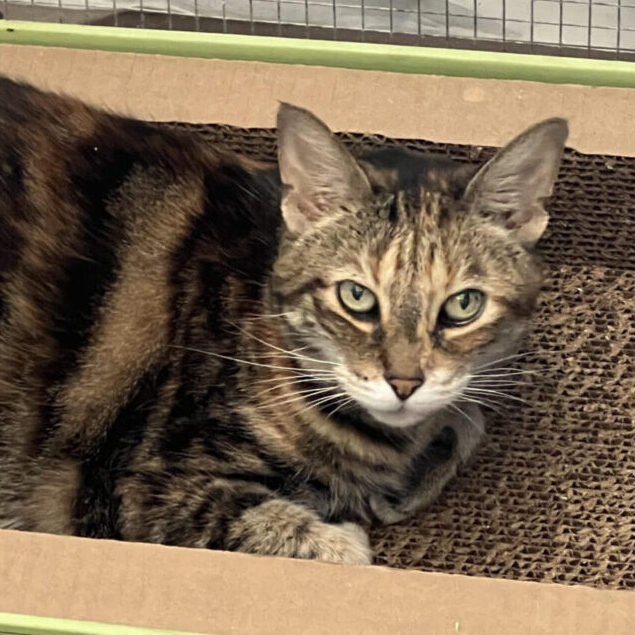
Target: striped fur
column 167, row 346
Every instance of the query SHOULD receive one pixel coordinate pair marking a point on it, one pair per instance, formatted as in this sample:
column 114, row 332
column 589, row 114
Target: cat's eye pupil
column 357, row 291
column 357, row 299
column 464, row 300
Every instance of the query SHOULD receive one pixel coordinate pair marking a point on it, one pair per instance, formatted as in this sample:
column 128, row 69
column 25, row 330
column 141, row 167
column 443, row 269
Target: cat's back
column 81, row 172
column 83, row 192
column 92, row 209
column 99, row 217
column 70, row 173
column 57, row 149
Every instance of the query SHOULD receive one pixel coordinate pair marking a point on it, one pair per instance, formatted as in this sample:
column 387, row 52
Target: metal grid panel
column 596, row 28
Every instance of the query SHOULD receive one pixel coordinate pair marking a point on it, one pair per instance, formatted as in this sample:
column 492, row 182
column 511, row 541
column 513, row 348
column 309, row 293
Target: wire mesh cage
column 590, row 28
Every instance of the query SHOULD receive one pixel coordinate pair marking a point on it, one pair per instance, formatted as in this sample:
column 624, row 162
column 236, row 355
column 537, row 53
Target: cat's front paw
column 345, row 543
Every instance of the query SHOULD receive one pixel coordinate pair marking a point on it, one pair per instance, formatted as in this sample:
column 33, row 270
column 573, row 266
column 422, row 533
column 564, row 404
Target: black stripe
column 393, row 210
column 96, row 171
column 96, row 513
column 234, row 236
column 12, row 204
column 356, row 420
column 436, row 453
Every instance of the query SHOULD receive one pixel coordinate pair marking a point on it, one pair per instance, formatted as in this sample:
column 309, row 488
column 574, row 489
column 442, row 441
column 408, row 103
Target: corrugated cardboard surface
column 146, row 585
column 217, row 592
column 446, row 109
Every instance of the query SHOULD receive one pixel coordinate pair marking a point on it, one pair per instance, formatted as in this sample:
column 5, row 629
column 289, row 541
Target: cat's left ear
column 318, row 173
column 511, row 187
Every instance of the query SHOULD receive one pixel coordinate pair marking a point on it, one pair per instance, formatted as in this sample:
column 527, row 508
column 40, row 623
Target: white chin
column 401, row 418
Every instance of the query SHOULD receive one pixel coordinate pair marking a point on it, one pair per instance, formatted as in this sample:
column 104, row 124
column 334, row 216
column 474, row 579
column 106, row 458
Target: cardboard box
column 175, row 589
column 221, row 593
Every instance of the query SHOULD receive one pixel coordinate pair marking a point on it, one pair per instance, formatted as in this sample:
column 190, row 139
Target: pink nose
column 404, row 386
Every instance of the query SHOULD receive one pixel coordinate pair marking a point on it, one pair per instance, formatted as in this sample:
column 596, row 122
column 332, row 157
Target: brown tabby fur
column 169, row 346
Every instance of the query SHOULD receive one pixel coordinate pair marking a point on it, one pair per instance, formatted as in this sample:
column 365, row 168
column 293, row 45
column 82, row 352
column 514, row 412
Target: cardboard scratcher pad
column 551, row 494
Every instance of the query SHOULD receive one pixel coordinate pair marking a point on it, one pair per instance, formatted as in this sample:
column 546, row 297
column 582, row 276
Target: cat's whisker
column 295, row 396
column 497, row 379
column 498, row 382
column 283, row 386
column 484, row 391
column 298, row 349
column 299, row 377
column 282, row 350
column 481, row 402
column 500, row 386
column 346, row 402
column 321, row 372
column 465, row 415
column 275, row 355
column 494, row 390
column 508, row 373
column 322, row 401
column 285, row 403
column 264, row 316
column 306, row 391
column 312, row 400
column 504, row 369
column 237, row 359
column 502, row 359
column 294, row 375
column 517, row 356
column 485, row 404
column 282, row 381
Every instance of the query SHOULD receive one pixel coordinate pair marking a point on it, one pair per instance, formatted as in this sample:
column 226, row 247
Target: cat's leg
column 452, row 447
column 282, row 528
column 235, row 516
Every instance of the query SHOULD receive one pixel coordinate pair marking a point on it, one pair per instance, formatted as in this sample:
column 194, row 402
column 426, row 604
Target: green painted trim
column 380, row 57
column 14, row 624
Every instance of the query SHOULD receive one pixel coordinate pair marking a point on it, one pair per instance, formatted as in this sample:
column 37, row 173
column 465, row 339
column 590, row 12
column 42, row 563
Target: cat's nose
column 404, row 386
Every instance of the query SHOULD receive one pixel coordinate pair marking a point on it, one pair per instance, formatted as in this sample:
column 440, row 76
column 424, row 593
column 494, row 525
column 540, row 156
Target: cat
column 197, row 349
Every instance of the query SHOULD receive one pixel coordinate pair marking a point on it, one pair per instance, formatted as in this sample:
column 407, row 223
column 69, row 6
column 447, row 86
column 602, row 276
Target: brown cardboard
column 218, row 592
column 215, row 592
column 446, row 109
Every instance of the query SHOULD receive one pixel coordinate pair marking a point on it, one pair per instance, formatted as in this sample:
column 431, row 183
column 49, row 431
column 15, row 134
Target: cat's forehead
column 417, row 226
column 400, row 170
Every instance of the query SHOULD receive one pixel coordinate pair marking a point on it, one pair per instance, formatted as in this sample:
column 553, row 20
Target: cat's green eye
column 357, row 299
column 462, row 307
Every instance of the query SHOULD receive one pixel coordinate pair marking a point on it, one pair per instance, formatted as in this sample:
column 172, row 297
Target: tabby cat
column 200, row 350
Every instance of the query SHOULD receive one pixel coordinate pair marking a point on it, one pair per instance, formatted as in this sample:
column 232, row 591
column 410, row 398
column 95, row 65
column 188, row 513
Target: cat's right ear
column 511, row 187
column 318, row 174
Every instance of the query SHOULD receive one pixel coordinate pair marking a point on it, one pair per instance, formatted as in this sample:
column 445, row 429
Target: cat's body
column 174, row 366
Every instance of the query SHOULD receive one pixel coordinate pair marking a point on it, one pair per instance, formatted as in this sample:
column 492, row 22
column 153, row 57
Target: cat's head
column 401, row 276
